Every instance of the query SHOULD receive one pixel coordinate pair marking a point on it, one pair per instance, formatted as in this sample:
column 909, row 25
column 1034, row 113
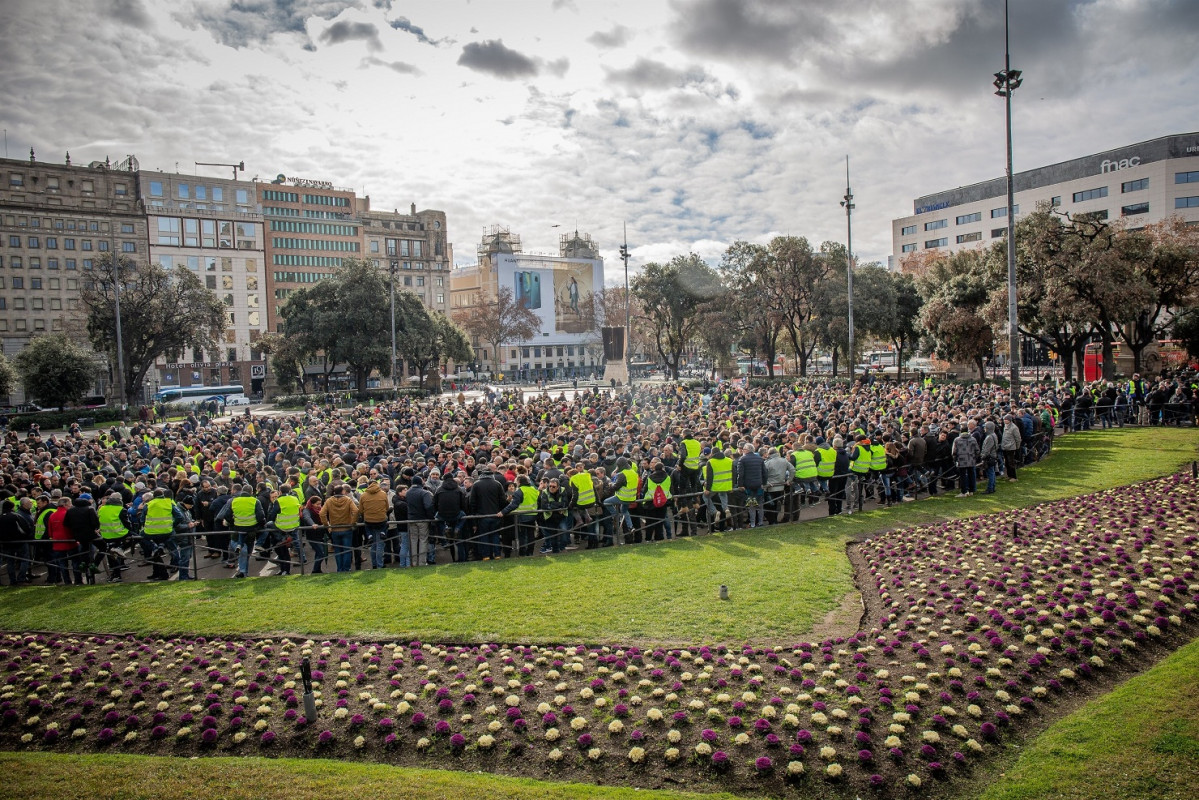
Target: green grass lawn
column 781, row 580
column 1140, row 742
column 69, row 777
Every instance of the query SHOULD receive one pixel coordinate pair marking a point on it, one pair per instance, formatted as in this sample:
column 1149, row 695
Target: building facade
column 1140, row 183
column 561, row 290
column 310, row 228
column 413, row 247
column 55, row 220
column 213, row 227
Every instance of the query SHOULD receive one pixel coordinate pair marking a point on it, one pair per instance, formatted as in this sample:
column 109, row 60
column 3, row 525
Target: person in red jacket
column 65, row 548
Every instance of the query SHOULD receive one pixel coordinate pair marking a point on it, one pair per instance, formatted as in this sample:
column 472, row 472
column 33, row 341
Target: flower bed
column 978, row 632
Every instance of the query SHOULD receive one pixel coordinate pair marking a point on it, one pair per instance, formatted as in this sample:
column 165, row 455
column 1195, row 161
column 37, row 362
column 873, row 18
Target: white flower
column 595, row 754
column 261, row 725
column 615, row 726
column 673, row 736
column 795, row 768
column 554, row 755
column 892, row 741
column 578, row 723
column 833, row 770
column 653, row 715
column 359, row 742
column 703, row 749
column 932, row 737
column 26, row 738
column 239, row 737
column 423, row 743
column 637, row 755
column 913, row 780
column 828, row 753
column 671, row 755
column 552, row 735
column 183, row 733
column 131, row 736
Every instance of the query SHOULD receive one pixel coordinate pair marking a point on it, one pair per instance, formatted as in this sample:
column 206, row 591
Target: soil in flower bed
column 977, row 634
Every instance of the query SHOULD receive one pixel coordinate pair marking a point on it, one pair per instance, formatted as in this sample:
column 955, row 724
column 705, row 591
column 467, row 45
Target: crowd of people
column 502, row 475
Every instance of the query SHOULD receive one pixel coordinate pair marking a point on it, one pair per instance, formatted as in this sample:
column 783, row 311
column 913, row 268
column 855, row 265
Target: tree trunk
column 835, row 354
column 899, row 361
column 1109, row 361
column 1137, row 352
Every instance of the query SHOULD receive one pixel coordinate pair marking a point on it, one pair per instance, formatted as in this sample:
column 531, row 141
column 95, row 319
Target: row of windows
column 53, row 284
column 209, row 264
column 325, row 200
column 187, row 191
column 1134, row 186
column 434, row 265
column 998, row 213
column 280, row 260
column 966, row 219
column 188, row 232
column 970, row 237
column 1186, row 202
column 935, row 224
column 17, row 262
column 931, row 243
column 280, row 211
column 58, row 224
column 1090, row 194
column 68, row 243
column 87, row 185
column 1186, row 177
column 280, row 197
column 39, row 304
column 38, row 325
column 314, row 227
column 549, row 351
column 300, row 277
column 288, row 243
column 401, row 247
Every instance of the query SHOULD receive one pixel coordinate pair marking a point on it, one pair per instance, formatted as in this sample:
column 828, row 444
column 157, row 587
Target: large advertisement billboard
column 562, row 296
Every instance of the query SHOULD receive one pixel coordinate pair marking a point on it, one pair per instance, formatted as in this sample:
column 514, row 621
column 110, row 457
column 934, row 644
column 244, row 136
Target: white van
column 236, row 400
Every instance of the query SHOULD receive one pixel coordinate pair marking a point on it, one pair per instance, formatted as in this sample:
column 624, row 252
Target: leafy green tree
column 672, row 295
column 426, row 339
column 1186, row 329
column 55, row 371
column 797, row 278
column 162, row 313
column 752, row 286
column 1168, row 266
column 8, row 376
column 955, row 290
column 903, row 325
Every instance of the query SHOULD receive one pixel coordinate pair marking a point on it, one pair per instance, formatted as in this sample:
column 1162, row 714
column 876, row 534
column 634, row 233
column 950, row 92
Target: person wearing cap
column 84, row 526
column 114, row 528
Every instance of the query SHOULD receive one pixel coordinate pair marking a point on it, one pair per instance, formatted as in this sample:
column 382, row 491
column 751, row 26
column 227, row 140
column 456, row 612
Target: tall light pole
column 1005, row 83
column 116, row 297
column 847, row 203
column 628, row 301
column 391, row 290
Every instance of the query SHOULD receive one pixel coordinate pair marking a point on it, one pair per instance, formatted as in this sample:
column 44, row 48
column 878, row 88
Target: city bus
column 196, row 394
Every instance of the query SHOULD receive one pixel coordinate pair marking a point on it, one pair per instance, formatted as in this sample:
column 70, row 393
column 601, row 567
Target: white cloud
column 731, row 120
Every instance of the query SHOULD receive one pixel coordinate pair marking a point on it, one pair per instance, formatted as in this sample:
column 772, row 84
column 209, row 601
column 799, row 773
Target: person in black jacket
column 487, row 501
column 15, row 531
column 84, row 525
column 449, row 503
column 836, row 484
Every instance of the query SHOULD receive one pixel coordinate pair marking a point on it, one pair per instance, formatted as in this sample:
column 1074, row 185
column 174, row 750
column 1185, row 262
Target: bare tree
column 499, row 321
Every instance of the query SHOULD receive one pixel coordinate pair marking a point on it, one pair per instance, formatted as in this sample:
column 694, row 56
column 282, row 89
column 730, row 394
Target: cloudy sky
column 699, row 122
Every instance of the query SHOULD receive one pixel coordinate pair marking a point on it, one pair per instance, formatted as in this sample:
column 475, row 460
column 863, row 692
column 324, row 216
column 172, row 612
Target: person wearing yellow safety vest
column 41, row 547
column 246, row 516
column 625, row 482
column 878, row 470
column 718, row 483
column 554, row 504
column 583, row 497
column 826, row 462
column 159, row 517
column 653, row 514
column 804, row 477
column 860, row 458
column 114, row 528
column 523, row 508
column 284, row 516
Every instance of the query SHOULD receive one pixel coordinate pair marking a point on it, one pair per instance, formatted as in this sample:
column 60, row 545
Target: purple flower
column 637, row 736
column 390, row 740
column 209, row 736
column 708, row 735
column 764, row 764
column 720, row 759
column 796, row 750
column 772, row 740
column 158, row 731
column 386, row 724
column 457, row 741
column 585, row 740
column 107, row 734
column 865, row 756
column 734, row 722
column 803, row 736
column 50, row 736
column 441, row 728
column 269, row 736
column 418, row 720
column 357, row 721
column 762, row 725
column 988, row 730
column 325, row 737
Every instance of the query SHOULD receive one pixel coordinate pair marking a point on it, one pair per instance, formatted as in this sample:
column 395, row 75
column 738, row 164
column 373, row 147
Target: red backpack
column 659, row 497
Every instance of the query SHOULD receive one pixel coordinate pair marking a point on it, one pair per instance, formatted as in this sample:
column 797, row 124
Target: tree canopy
column 55, row 371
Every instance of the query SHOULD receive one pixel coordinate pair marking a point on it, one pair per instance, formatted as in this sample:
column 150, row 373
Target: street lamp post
column 1006, row 82
column 847, row 203
column 628, row 301
column 116, row 296
column 391, row 291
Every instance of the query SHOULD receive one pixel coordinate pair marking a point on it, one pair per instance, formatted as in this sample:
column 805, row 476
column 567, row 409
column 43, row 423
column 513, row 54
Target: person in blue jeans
column 990, row 455
column 340, row 514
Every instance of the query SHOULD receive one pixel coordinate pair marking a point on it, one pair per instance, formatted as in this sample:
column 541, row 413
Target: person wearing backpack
column 656, row 498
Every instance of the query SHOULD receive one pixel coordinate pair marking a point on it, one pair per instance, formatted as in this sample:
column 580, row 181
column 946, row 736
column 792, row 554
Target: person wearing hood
column 989, row 454
column 374, row 505
column 449, row 503
column 83, row 524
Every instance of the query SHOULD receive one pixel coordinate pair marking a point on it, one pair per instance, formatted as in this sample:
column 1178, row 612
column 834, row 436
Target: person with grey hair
column 965, row 456
column 778, row 476
column 990, row 455
column 751, row 476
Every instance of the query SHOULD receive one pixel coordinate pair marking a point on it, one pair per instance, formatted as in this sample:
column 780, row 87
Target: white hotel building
column 1143, row 183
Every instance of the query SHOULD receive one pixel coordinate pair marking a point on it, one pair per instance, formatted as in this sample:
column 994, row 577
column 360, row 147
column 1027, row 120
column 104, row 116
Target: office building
column 1139, row 184
column 55, row 220
column 213, row 227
